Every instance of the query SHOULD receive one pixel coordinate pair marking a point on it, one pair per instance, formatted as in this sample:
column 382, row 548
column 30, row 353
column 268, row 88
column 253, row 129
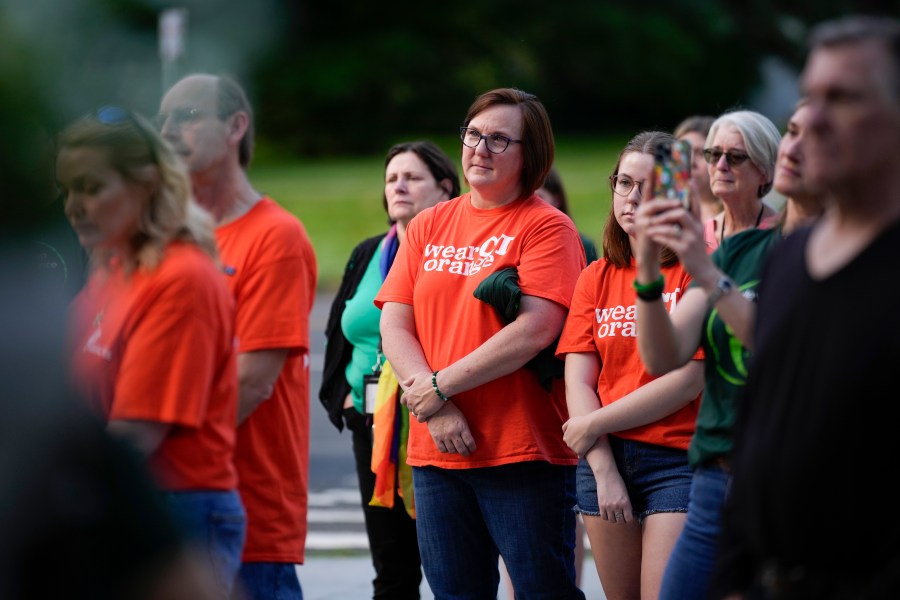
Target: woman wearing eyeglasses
column 718, row 312
column 152, row 335
column 491, row 472
column 740, row 156
column 417, row 175
column 630, row 429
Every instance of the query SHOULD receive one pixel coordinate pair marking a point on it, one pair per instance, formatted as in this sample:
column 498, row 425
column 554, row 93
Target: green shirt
column 360, row 324
column 741, row 257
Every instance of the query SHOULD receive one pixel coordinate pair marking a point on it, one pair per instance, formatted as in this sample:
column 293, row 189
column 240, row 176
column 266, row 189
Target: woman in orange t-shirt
column 633, row 479
column 152, row 331
column 491, row 472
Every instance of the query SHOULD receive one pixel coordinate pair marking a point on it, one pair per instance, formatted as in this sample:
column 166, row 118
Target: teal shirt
column 741, row 257
column 360, row 324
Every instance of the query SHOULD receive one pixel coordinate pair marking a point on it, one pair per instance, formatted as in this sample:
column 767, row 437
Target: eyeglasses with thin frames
column 623, row 184
column 712, row 156
column 496, row 143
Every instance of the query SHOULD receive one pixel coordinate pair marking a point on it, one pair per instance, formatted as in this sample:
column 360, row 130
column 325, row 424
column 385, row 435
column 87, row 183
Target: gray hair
column 761, row 139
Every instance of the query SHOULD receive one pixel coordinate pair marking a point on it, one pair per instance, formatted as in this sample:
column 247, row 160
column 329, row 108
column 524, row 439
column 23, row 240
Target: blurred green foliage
column 346, row 76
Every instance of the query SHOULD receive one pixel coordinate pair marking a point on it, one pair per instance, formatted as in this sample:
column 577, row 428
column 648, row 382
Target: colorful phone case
column 673, row 172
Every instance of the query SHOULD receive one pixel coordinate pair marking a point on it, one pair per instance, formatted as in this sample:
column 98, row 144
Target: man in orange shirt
column 271, row 269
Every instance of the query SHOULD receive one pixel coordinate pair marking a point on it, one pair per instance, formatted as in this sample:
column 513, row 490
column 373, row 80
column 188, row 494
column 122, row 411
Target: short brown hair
column 855, row 29
column 537, row 135
column 616, row 246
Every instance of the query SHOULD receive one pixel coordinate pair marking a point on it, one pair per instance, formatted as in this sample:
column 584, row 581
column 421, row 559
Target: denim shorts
column 658, row 479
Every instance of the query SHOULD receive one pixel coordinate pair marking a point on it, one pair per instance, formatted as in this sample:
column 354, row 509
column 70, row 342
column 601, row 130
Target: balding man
column 271, row 268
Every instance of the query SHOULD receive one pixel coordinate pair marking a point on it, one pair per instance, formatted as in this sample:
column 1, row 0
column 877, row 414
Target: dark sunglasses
column 712, row 156
column 116, row 115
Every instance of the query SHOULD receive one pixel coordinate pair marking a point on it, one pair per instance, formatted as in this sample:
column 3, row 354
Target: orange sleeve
column 276, row 296
column 167, row 368
column 578, row 332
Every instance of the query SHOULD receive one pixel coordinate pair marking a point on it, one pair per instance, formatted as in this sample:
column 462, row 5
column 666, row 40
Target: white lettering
column 92, row 346
column 461, row 260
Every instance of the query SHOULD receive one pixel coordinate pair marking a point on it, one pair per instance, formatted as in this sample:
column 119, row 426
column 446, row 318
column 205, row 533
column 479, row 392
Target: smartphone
column 672, row 172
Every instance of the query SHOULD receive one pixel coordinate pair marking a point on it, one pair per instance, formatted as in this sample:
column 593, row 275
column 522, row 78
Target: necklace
column 758, row 221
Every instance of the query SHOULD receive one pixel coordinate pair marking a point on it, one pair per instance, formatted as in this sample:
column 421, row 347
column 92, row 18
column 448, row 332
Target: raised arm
column 670, row 225
column 665, row 342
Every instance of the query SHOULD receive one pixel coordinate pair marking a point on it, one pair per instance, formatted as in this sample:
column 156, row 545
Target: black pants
column 391, row 531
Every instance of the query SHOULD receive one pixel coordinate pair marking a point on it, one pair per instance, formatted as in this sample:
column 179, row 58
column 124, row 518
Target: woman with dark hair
column 630, row 429
column 417, row 175
column 152, row 331
column 492, row 475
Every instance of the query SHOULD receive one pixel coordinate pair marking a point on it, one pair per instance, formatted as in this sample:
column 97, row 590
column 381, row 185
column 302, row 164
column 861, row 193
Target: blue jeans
column 466, row 518
column 217, row 524
column 692, row 560
column 658, row 479
column 270, row 581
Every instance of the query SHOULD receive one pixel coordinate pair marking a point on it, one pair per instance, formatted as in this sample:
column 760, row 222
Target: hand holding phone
column 672, row 172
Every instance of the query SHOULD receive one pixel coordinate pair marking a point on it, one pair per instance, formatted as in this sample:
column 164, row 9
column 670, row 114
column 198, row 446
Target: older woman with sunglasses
column 152, row 335
column 491, row 472
column 719, row 312
column 740, row 154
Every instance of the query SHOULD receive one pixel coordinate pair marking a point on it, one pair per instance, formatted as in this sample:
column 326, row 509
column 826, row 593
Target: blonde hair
column 137, row 152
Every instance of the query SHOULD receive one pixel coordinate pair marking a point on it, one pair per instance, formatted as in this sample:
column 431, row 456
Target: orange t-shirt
column 602, row 320
column 271, row 268
column 449, row 249
column 159, row 346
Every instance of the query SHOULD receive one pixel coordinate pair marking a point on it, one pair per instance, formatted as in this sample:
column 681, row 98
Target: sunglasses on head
column 116, row 115
column 712, row 156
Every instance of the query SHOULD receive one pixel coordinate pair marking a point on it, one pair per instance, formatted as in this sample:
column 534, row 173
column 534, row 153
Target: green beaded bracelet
column 436, row 390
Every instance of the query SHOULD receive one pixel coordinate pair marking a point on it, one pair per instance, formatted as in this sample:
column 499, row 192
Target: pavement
column 338, row 564
column 349, row 577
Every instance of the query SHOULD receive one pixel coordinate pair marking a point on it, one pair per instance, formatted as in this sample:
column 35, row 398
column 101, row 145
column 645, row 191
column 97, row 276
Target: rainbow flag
column 390, row 431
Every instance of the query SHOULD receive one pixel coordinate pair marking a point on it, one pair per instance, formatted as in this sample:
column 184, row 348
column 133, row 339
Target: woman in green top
column 717, row 312
column 417, row 175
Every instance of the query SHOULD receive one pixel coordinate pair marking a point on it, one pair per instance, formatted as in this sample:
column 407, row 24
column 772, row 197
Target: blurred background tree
column 339, row 78
column 348, row 76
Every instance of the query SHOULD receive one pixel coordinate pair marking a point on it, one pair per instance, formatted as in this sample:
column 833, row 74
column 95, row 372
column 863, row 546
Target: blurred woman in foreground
column 153, row 342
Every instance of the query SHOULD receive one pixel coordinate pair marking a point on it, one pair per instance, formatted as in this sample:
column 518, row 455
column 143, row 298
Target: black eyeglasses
column 116, row 115
column 496, row 143
column 623, row 184
column 181, row 116
column 712, row 156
